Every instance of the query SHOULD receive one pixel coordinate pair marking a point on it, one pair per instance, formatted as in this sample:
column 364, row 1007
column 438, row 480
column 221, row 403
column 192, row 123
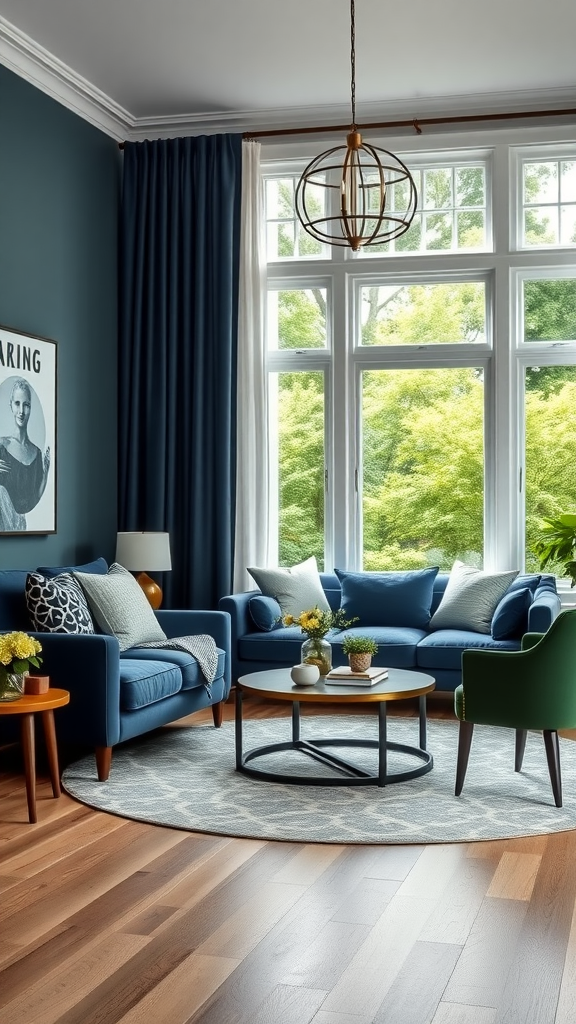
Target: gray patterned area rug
column 185, row 777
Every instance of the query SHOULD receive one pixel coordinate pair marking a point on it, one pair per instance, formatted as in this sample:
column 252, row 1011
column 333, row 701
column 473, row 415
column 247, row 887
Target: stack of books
column 344, row 676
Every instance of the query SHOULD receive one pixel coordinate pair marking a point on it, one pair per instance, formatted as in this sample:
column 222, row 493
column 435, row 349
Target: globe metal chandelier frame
column 366, row 179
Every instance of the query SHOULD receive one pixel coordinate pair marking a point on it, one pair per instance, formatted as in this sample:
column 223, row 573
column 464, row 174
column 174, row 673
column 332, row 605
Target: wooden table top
column 277, row 683
column 31, row 702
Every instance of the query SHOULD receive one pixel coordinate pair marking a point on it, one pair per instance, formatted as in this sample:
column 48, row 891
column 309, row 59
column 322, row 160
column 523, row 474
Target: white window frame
column 521, row 155
column 503, row 358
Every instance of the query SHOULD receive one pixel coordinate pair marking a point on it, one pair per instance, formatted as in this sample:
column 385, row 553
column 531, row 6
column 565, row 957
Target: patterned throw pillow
column 57, row 605
column 120, row 607
column 471, row 598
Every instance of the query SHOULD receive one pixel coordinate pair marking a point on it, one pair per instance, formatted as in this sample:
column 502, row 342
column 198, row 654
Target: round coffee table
column 276, row 684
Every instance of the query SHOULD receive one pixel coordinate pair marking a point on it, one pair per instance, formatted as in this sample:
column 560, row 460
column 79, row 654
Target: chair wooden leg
column 464, row 744
column 103, row 762
column 521, row 735
column 553, row 758
column 217, row 710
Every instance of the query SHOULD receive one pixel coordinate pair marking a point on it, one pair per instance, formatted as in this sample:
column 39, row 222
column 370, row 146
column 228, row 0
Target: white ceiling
column 149, row 67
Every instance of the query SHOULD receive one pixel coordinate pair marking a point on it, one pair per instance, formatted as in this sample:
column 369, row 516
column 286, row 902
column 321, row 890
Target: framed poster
column 27, row 433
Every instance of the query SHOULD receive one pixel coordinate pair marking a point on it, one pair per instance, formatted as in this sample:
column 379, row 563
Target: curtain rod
column 415, row 122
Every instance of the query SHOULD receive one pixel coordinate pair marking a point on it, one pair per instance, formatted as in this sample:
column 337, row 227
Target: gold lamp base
column 151, row 589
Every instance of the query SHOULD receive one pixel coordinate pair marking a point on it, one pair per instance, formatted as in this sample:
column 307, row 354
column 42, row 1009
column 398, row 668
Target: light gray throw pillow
column 120, row 607
column 296, row 589
column 471, row 598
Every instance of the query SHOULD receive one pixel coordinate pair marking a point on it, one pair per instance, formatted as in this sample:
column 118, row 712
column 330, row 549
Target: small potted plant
column 359, row 650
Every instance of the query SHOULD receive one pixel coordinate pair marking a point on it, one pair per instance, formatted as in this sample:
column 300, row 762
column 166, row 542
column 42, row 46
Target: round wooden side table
column 27, row 706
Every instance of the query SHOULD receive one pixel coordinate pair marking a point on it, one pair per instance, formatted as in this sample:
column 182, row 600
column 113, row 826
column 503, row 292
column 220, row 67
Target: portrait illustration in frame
column 27, row 433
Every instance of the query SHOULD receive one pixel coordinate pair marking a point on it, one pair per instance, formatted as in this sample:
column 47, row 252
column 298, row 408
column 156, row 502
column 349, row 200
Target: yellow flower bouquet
column 18, row 652
column 315, row 624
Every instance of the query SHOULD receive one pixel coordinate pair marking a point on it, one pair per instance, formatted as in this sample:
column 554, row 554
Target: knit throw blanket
column 202, row 647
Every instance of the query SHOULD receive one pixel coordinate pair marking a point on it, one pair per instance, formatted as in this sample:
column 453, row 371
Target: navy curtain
column 179, row 261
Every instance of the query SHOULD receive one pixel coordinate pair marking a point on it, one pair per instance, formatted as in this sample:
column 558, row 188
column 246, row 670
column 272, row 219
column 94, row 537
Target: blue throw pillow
column 532, row 581
column 510, row 620
column 265, row 613
column 388, row 598
column 99, row 565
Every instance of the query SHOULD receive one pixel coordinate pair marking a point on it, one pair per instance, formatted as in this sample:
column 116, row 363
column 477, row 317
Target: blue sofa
column 437, row 653
column 115, row 696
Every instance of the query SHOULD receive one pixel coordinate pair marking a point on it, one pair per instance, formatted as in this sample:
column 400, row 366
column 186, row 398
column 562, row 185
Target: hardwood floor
column 110, row 921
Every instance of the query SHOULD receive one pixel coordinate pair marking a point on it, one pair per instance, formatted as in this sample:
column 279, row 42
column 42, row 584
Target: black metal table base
column 350, row 774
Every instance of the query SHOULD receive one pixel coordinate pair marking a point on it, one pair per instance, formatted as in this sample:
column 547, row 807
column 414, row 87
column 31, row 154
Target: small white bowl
column 305, row 675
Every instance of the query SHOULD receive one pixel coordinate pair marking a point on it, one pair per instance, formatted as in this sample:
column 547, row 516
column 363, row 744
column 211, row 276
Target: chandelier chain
column 357, row 194
column 353, row 63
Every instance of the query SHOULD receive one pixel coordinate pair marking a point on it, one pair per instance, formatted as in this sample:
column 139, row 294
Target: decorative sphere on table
column 305, row 675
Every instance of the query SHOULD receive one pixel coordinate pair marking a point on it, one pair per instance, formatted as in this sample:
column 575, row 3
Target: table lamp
column 143, row 553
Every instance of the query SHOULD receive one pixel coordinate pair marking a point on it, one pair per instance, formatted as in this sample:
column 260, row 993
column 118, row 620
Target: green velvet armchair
column 534, row 688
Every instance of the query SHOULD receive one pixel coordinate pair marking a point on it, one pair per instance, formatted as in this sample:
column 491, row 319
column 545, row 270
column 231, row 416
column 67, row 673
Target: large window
column 422, row 459
column 297, row 420
column 549, row 202
column 452, row 211
column 422, row 393
column 423, row 314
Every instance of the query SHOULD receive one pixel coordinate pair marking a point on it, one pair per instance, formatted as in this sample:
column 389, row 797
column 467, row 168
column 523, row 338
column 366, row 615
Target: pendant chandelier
column 376, row 192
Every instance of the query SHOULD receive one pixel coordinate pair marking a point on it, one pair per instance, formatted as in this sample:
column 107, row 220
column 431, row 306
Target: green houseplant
column 558, row 544
column 359, row 650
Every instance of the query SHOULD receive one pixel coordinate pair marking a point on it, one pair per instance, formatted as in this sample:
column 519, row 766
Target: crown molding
column 30, row 61
column 306, row 117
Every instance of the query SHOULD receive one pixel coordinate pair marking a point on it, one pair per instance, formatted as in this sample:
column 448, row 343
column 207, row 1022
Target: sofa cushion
column 396, row 646
column 265, row 613
column 281, row 646
column 471, row 598
column 388, row 598
column 189, row 668
column 296, row 589
column 443, row 649
column 144, row 682
column 57, row 605
column 120, row 607
column 510, row 620
column 99, row 565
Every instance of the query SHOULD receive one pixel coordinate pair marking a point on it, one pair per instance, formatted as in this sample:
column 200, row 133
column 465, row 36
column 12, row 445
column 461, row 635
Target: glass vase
column 11, row 686
column 317, row 651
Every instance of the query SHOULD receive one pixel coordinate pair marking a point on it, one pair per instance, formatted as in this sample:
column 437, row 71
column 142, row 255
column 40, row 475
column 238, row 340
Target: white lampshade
column 139, row 552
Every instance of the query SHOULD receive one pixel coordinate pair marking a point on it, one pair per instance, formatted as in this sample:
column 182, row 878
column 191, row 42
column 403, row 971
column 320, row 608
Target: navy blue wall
column 59, row 198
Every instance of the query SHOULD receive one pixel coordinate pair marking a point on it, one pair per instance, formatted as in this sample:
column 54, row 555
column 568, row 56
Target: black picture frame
column 27, row 433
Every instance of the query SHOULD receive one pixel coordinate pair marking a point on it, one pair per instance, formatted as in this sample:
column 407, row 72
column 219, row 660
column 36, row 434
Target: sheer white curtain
column 252, row 485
